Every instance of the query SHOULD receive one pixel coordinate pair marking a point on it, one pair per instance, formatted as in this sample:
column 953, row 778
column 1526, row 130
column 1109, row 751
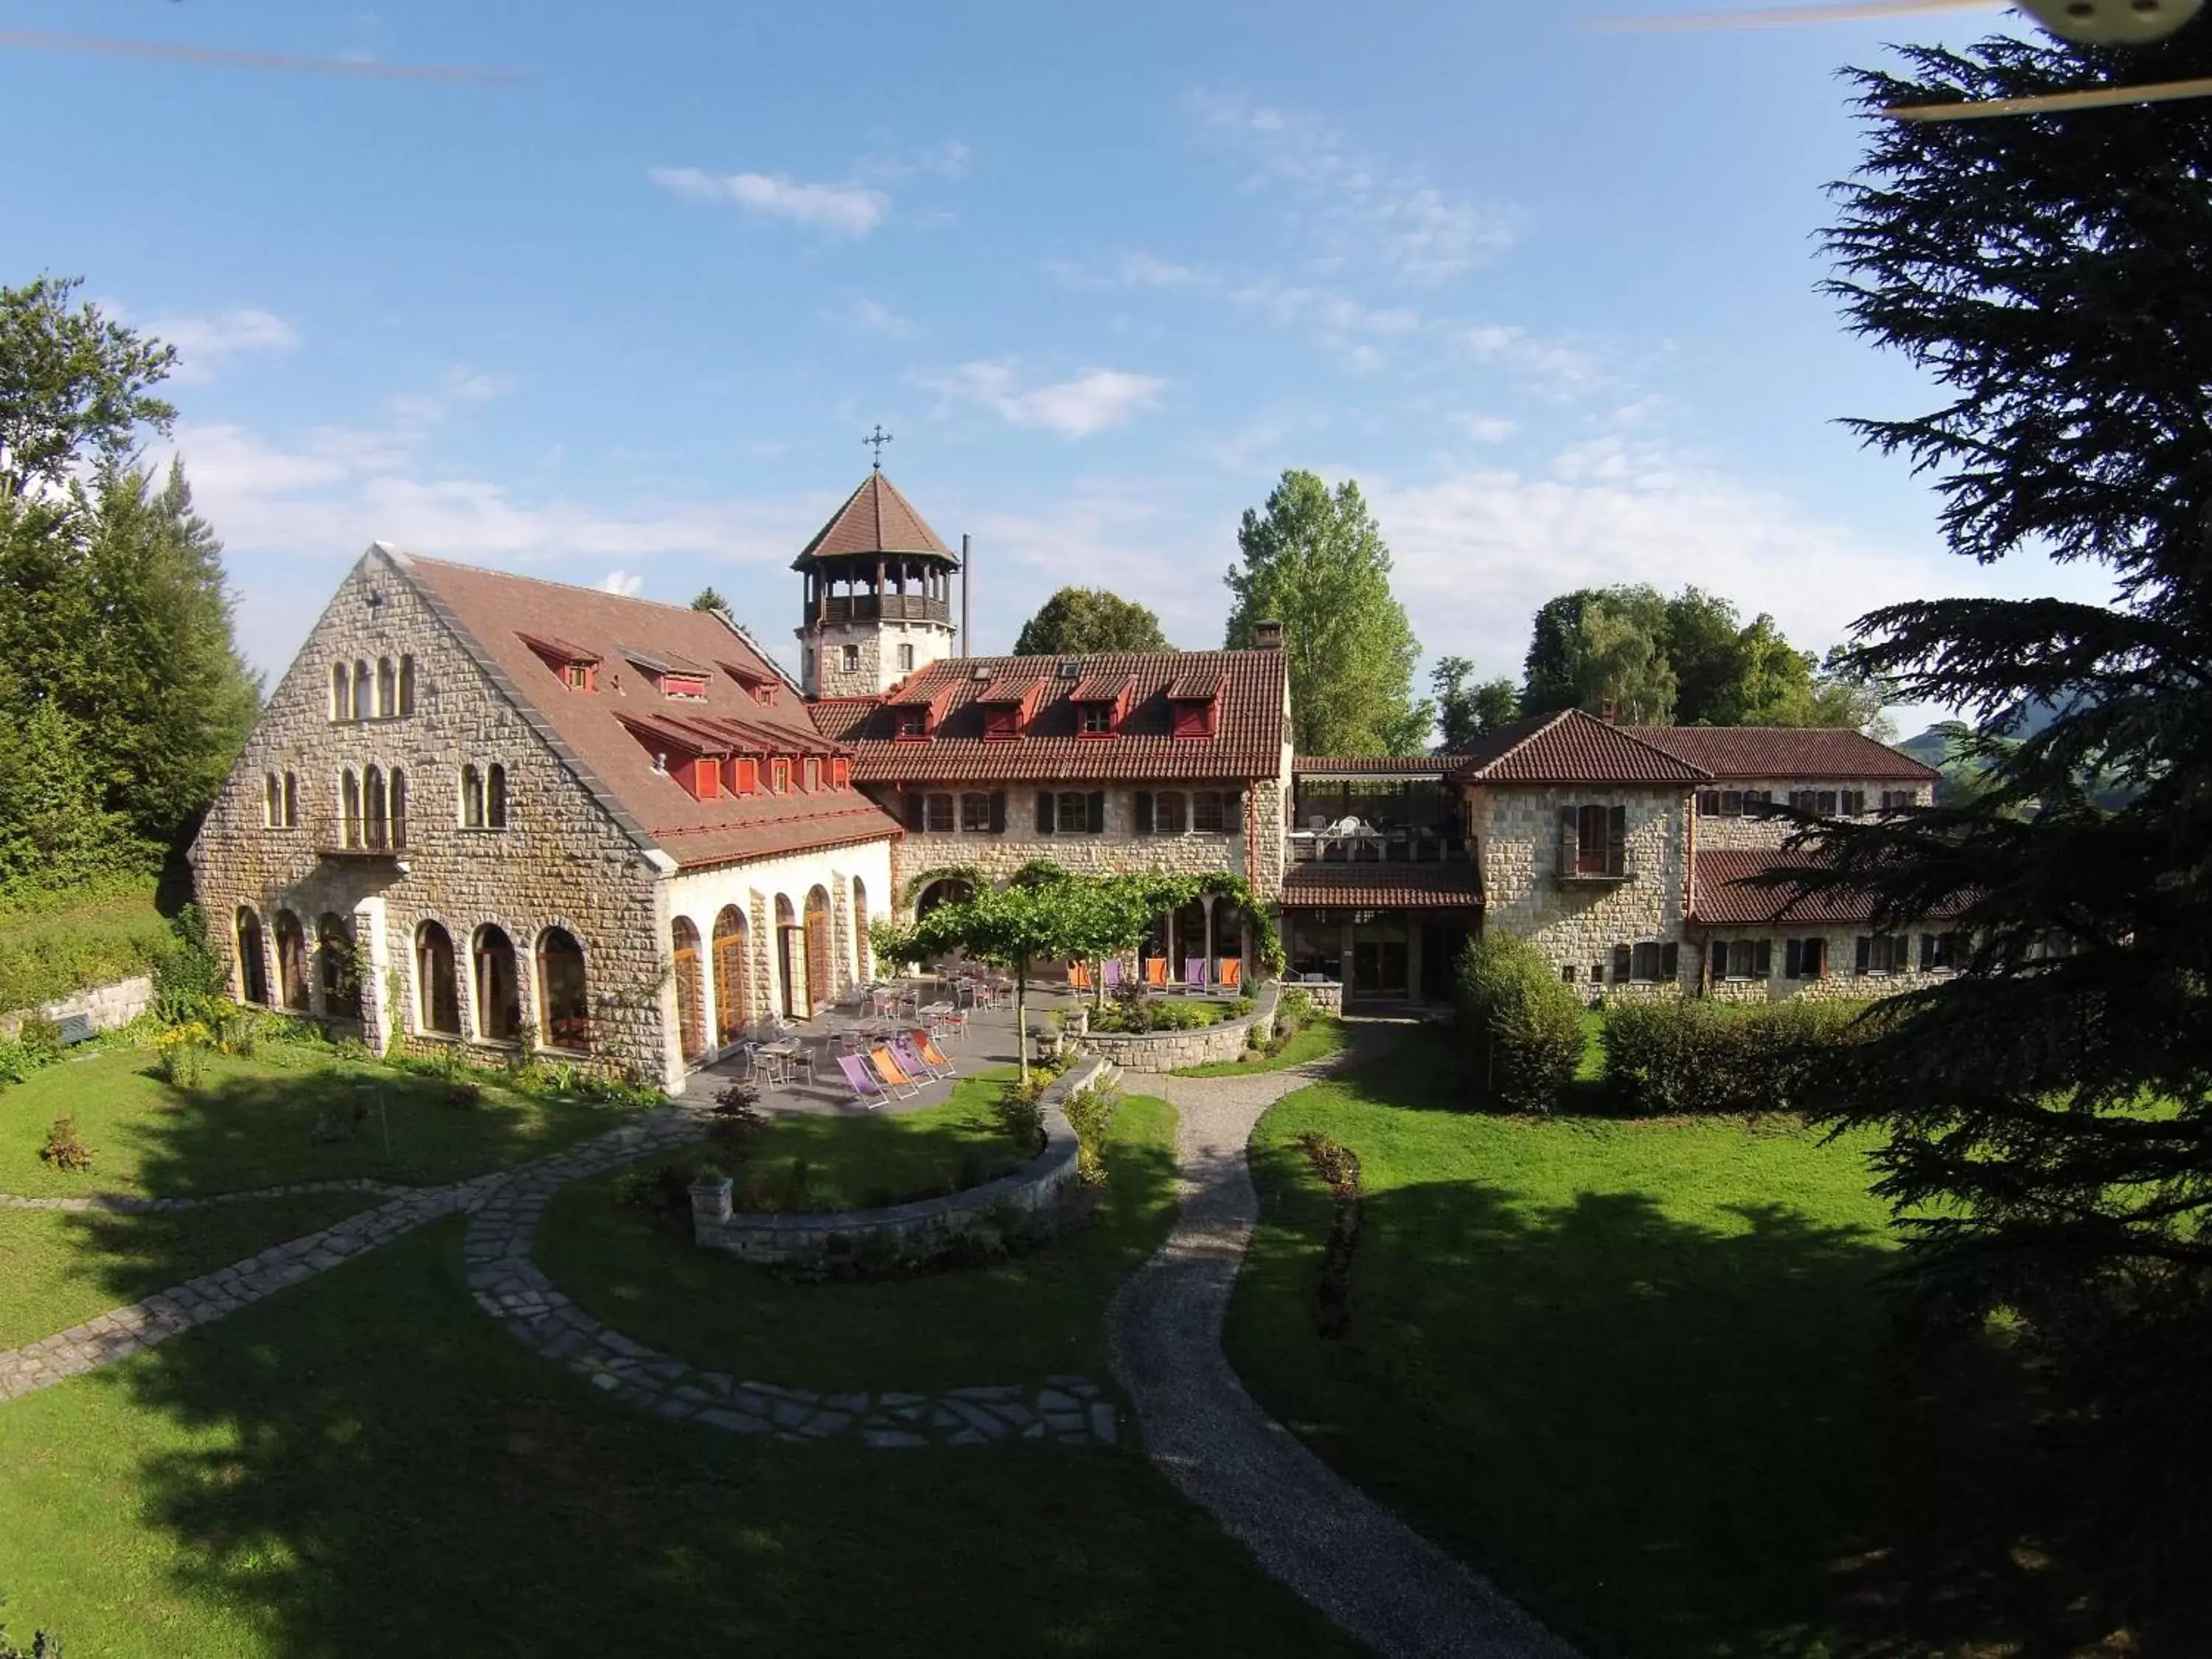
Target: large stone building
column 489, row 810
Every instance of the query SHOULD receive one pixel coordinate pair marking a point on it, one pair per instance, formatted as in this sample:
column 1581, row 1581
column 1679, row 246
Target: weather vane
column 876, row 440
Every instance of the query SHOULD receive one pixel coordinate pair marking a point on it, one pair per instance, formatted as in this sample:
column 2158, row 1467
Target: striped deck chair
column 1109, row 973
column 1232, row 972
column 935, row 1057
column 1078, row 975
column 1156, row 973
column 863, row 1082
column 1194, row 975
column 888, row 1072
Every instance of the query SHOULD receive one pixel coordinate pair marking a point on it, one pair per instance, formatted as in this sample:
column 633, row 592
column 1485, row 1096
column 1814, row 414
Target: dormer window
column 1002, row 720
column 782, row 773
column 840, row 772
column 577, row 665
column 910, row 723
column 1193, row 718
column 690, row 686
column 742, row 775
column 1193, row 699
column 577, row 675
column 1095, row 719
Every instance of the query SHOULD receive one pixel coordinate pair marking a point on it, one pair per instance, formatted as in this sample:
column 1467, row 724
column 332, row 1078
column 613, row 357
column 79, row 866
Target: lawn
column 1318, row 1038
column 869, row 1160
column 1643, row 1374
column 1020, row 1320
column 365, row 1466
column 248, row 1124
column 53, row 944
column 64, row 1267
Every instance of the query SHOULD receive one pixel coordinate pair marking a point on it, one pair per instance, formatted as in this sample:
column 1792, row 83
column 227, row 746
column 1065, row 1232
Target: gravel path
column 1310, row 1527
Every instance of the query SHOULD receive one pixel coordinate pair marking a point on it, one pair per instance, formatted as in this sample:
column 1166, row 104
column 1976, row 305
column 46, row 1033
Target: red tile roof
column 1249, row 743
column 1396, row 766
column 875, row 519
column 1569, row 747
column 1380, row 887
column 1719, row 900
column 1756, row 753
column 496, row 614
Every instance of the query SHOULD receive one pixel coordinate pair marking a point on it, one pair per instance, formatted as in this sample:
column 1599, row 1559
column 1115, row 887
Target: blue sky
column 1547, row 294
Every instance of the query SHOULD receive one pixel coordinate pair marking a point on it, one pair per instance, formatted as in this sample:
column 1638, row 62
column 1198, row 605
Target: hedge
column 1678, row 1057
column 1528, row 1027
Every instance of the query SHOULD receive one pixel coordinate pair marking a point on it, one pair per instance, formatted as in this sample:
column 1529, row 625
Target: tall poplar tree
column 1315, row 561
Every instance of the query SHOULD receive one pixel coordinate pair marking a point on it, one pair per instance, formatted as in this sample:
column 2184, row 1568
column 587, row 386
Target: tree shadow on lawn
column 1671, row 1440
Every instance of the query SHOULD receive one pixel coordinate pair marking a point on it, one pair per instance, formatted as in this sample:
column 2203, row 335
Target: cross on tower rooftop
column 876, row 440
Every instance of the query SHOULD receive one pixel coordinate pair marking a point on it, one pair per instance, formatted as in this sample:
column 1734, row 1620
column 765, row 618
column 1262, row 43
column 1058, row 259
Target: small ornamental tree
column 1528, row 1026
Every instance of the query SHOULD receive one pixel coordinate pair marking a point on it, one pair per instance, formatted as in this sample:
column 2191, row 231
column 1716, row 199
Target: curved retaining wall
column 1164, row 1051
column 780, row 1237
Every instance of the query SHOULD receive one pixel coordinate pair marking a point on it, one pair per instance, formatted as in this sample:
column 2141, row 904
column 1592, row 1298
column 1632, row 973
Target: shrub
column 1090, row 1115
column 1679, row 1057
column 661, row 1190
column 180, row 1054
column 38, row 1043
column 65, row 1148
column 1339, row 1166
column 1528, row 1027
column 1021, row 1117
column 190, row 975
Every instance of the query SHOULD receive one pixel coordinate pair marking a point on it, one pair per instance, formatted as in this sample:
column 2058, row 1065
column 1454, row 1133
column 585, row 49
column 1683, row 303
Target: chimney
column 967, row 587
column 1267, row 635
column 1605, row 711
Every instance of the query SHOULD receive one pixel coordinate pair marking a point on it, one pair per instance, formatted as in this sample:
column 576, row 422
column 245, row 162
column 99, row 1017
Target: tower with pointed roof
column 878, row 595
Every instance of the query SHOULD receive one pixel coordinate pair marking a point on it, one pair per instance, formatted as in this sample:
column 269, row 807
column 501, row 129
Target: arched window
column 1189, row 937
column 292, row 960
column 272, row 801
column 733, row 983
column 407, row 685
column 864, row 956
column 818, row 959
column 387, row 688
column 496, row 796
column 377, row 829
column 252, row 965
column 349, row 809
column 473, row 801
column 341, row 692
column 291, row 800
column 690, row 1028
column 499, row 989
column 790, row 959
column 565, row 1008
column 437, row 989
column 341, row 975
column 1228, row 929
column 364, row 690
column 397, row 790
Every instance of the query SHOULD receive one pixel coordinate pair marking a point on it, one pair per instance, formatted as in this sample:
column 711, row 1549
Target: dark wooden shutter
column 1621, row 959
column 1567, row 841
column 1044, row 812
column 1144, row 812
column 1098, row 805
column 1232, row 810
column 998, row 812
column 1616, row 841
column 1866, row 953
column 915, row 813
column 1927, row 952
column 1762, row 960
column 1670, row 961
column 1816, row 958
column 1793, row 959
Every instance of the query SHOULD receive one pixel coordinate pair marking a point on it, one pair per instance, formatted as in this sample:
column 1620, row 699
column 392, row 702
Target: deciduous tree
column 1078, row 620
column 1466, row 709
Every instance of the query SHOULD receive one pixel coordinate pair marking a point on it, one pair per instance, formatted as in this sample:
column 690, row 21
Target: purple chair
column 864, row 1086
column 1109, row 974
column 1194, row 974
column 909, row 1059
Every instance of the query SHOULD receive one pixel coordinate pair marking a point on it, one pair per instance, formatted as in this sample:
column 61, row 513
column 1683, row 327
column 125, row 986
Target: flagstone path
column 1316, row 1531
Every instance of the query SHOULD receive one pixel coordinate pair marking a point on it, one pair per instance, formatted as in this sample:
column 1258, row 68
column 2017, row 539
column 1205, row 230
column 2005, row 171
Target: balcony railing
column 1413, row 845
column 888, row 607
column 361, row 838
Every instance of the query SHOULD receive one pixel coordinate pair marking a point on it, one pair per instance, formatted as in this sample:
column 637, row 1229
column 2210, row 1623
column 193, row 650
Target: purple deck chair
column 864, row 1086
column 1194, row 974
column 1109, row 974
column 910, row 1061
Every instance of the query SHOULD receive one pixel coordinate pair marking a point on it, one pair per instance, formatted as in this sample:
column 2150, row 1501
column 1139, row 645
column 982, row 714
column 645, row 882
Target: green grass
column 52, row 946
column 861, row 1160
column 247, row 1123
column 64, row 1267
column 1019, row 1320
column 1643, row 1374
column 364, row 1465
column 1319, row 1037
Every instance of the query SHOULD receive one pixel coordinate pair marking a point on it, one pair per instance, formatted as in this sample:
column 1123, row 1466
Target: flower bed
column 1164, row 1051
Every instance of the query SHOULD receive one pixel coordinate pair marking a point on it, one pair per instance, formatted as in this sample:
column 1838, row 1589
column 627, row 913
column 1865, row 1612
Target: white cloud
column 1554, row 368
column 1342, row 325
column 848, row 209
column 948, row 160
column 623, row 582
column 870, row 317
column 205, row 343
column 1490, row 428
column 1356, row 209
column 1132, row 271
column 1093, row 401
column 456, row 387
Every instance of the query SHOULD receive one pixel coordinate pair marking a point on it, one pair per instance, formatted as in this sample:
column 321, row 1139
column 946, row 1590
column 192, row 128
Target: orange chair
column 1078, row 975
column 1156, row 972
column 1232, row 972
column 892, row 1074
column 931, row 1056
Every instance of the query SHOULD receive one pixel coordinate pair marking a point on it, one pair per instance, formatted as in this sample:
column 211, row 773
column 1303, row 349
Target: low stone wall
column 1166, row 1051
column 1327, row 998
column 102, row 1008
column 715, row 1226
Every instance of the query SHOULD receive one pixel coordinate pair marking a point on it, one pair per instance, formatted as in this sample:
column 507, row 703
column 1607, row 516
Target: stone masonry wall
column 1577, row 925
column 1840, row 983
column 879, row 643
column 1164, row 1051
column 1716, row 832
column 1117, row 850
column 82, row 1013
column 562, row 861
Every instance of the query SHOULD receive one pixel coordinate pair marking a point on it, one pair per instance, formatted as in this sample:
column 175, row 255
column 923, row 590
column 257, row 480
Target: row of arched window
column 385, row 692
column 372, row 804
column 716, row 1001
column 561, row 1018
